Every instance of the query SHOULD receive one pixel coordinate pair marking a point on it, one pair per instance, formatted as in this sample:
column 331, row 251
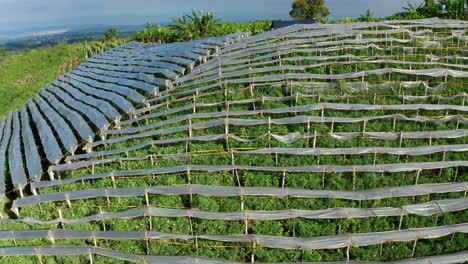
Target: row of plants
column 195, row 26
column 242, row 252
column 23, row 74
column 216, row 153
column 444, row 9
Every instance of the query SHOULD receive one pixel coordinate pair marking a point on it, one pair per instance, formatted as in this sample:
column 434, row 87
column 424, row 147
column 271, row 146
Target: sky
column 22, row 14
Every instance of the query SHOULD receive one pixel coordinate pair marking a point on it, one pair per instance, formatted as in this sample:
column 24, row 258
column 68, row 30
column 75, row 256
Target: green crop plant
column 241, row 92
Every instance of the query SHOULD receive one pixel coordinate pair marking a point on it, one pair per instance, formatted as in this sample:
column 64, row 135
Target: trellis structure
column 249, row 149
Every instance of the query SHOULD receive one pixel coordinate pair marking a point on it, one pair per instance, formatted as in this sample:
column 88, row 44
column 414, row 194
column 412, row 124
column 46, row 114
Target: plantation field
column 313, row 143
column 23, row 74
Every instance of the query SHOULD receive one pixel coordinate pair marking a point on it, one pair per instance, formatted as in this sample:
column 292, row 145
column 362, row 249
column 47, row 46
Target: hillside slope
column 23, row 74
column 313, row 143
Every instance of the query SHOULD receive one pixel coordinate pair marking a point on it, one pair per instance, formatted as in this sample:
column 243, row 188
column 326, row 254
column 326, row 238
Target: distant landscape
column 47, row 36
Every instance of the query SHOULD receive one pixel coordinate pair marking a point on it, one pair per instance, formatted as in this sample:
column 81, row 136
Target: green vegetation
column 195, row 26
column 445, row 9
column 368, row 16
column 23, row 74
column 217, row 152
column 61, row 58
column 456, row 9
column 309, row 9
column 111, row 35
column 167, row 34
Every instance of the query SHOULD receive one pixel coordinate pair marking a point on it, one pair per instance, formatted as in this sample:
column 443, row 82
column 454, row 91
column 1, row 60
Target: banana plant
column 202, row 22
column 413, row 11
column 368, row 16
column 185, row 26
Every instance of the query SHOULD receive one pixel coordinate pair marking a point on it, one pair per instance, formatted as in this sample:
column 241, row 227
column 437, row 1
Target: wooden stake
column 354, row 179
column 51, row 175
column 417, row 176
column 51, row 237
column 113, row 180
column 103, row 225
column 40, row 258
column 401, row 220
column 147, row 246
column 347, row 253
column 196, row 243
column 414, row 247
column 456, row 175
column 61, row 217
column 147, row 198
column 68, row 200
column 323, row 179
column 150, row 220
column 269, row 132
column 401, row 138
column 315, row 138
column 252, row 257
column 284, row 179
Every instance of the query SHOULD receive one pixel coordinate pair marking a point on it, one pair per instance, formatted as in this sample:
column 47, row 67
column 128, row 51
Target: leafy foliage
column 111, row 35
column 184, row 26
column 183, row 30
column 202, row 22
column 412, row 10
column 23, row 74
column 289, row 227
column 368, row 16
column 309, row 9
column 456, row 9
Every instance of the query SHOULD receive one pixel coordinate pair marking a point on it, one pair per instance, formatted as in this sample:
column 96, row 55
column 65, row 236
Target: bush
column 167, row 34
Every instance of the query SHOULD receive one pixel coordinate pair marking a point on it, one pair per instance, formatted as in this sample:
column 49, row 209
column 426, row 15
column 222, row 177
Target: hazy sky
column 15, row 14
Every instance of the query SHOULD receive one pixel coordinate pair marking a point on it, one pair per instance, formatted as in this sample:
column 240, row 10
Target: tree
column 111, row 35
column 309, row 9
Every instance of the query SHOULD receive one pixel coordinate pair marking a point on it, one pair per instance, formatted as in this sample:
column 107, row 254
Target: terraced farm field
column 312, row 143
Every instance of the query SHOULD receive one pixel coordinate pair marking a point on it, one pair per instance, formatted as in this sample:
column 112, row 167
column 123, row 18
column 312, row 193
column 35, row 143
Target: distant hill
column 46, row 36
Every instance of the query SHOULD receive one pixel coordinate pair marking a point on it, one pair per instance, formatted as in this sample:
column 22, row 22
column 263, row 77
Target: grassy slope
column 23, row 75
